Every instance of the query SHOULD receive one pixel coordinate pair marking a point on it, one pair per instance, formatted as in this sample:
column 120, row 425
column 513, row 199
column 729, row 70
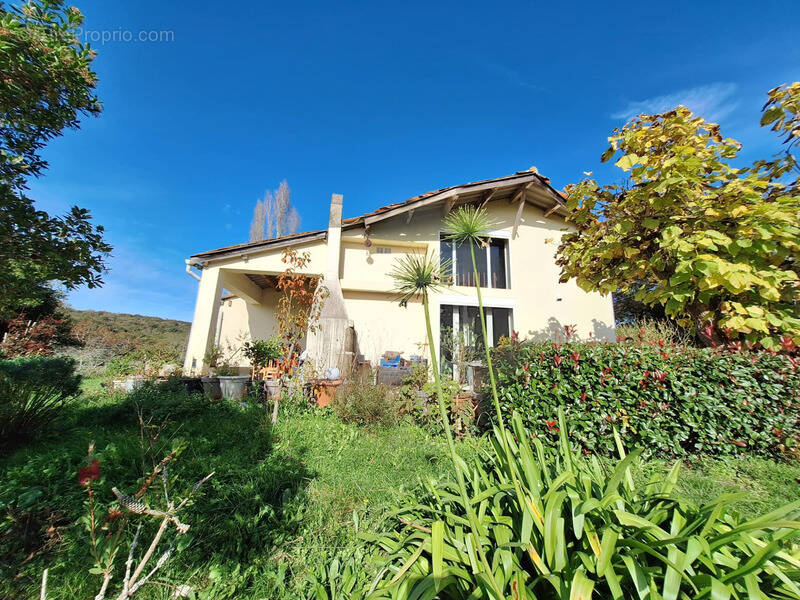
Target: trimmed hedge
column 670, row 400
column 33, row 389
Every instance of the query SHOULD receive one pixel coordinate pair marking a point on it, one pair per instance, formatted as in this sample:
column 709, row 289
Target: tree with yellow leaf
column 716, row 245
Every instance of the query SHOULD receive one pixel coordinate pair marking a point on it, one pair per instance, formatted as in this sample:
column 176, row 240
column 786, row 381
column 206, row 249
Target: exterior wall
column 541, row 305
column 271, row 263
column 381, row 324
column 241, row 322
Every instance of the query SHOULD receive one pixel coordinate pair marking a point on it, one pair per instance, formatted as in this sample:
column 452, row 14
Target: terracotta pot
column 325, row 391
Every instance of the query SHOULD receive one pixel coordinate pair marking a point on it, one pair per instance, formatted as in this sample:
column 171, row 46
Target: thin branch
column 126, row 582
column 162, row 560
column 106, row 580
column 150, row 550
column 43, row 593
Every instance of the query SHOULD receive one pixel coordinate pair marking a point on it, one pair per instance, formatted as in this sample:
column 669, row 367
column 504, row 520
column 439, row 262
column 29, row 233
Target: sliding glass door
column 461, row 335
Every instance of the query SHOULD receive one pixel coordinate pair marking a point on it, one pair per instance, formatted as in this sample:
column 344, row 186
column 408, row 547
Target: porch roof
column 524, row 186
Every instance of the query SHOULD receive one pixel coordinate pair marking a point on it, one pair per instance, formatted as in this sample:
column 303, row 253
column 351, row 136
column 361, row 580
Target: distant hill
column 139, row 329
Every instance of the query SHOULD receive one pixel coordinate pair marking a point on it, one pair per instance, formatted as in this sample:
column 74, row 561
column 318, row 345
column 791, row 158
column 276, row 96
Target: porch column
column 204, row 324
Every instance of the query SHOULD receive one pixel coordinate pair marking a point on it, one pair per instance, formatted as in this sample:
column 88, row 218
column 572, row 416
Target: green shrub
column 668, row 399
column 577, row 529
column 364, row 403
column 33, row 391
column 261, row 352
column 650, row 331
column 145, row 360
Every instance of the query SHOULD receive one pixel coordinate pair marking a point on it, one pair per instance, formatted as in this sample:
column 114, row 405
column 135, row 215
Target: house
column 353, row 259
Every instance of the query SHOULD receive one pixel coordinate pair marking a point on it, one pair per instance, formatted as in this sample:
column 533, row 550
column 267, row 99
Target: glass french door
column 461, row 335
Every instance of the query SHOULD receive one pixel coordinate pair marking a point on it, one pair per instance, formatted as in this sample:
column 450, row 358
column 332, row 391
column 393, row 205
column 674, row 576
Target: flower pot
column 233, row 387
column 325, row 391
column 211, row 388
column 272, row 389
column 192, row 385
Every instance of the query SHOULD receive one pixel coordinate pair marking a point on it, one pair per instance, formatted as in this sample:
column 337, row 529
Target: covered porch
column 227, row 320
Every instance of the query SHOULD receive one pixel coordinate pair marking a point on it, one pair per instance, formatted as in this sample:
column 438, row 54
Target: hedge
column 670, row 400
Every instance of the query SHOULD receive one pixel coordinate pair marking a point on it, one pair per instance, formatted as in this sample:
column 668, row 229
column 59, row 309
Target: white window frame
column 488, row 311
column 498, row 234
column 488, row 305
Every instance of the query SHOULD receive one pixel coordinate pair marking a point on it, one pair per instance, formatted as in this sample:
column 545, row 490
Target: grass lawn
column 284, row 503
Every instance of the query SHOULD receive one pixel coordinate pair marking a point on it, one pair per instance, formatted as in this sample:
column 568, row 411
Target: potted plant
column 232, row 385
column 210, row 382
column 263, row 356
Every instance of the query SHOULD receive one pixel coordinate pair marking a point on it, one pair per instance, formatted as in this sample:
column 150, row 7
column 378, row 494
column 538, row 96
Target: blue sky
column 379, row 102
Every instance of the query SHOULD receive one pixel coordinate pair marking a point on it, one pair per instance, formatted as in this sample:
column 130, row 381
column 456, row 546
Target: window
column 491, row 262
column 383, row 250
column 461, row 335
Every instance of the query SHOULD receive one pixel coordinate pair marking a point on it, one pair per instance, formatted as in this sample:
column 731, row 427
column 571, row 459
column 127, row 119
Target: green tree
column 46, row 86
column 711, row 243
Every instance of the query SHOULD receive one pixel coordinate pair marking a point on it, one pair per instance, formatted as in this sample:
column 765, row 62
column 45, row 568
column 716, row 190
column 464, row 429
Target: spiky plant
column 596, row 532
column 419, row 275
column 471, row 225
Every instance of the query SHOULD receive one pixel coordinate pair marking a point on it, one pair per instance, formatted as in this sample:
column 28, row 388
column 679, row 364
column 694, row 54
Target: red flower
column 778, row 432
column 583, row 397
column 576, row 356
column 526, row 367
column 557, row 359
column 89, row 472
column 660, row 376
column 551, row 425
column 661, row 343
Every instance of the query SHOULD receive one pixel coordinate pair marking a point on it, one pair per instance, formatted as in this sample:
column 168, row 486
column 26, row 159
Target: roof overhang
column 247, row 249
column 525, row 187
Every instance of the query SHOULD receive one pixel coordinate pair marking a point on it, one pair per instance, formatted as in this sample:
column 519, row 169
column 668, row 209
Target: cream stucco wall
column 541, row 305
column 241, row 322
